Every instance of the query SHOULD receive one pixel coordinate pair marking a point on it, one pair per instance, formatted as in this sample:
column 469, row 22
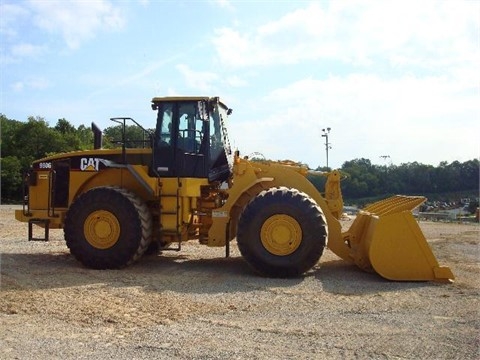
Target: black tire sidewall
column 287, row 202
column 117, row 203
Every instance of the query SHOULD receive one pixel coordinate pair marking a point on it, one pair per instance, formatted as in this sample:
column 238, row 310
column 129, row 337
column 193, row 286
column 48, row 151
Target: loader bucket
column 386, row 238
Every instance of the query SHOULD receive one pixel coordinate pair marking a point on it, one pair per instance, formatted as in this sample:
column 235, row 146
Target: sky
column 395, row 81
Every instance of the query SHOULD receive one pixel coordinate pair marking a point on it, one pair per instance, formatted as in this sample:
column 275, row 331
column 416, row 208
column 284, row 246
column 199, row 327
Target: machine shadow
column 343, row 278
column 176, row 273
column 181, row 274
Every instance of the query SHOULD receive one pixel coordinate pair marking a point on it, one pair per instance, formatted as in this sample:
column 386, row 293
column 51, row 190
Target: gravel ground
column 197, row 304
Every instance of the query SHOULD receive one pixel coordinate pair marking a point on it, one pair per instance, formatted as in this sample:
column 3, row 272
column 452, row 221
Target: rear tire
column 108, row 228
column 282, row 233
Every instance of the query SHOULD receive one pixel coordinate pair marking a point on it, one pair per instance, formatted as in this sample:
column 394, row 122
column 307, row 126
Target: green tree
column 363, row 178
column 413, row 178
column 11, row 178
column 37, row 139
column 135, row 137
column 69, row 136
column 85, row 136
column 8, row 129
column 469, row 173
column 23, row 142
column 64, row 127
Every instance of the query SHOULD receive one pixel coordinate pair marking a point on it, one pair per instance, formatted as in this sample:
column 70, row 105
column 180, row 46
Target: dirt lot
column 196, row 304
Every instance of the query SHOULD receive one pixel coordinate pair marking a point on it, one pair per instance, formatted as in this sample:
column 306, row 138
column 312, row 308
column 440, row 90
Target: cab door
column 181, row 141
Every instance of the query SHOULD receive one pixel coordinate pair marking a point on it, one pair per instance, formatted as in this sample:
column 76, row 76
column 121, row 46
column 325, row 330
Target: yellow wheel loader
column 182, row 181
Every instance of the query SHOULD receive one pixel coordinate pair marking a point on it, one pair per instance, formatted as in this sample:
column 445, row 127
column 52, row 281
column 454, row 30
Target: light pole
column 385, row 157
column 327, row 144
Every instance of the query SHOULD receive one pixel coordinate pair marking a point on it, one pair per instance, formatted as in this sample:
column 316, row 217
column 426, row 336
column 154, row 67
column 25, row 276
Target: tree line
column 23, row 142
column 363, row 181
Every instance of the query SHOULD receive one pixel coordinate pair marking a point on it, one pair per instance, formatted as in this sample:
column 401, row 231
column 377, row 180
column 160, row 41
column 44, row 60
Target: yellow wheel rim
column 281, row 235
column 101, row 229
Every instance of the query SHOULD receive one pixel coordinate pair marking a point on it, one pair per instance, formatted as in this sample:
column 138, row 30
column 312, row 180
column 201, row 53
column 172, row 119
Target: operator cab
column 191, row 138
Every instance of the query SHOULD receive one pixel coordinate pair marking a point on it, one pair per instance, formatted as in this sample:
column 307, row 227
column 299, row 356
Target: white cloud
column 225, row 4
column 425, row 34
column 76, row 20
column 236, row 81
column 403, row 81
column 197, row 80
column 33, row 83
column 26, row 50
column 18, row 86
column 418, row 119
column 11, row 14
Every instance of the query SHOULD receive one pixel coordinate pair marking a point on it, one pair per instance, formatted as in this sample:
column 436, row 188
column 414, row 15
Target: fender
column 250, row 178
column 132, row 177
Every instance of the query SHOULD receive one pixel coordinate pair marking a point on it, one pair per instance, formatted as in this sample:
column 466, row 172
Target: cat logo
column 89, row 164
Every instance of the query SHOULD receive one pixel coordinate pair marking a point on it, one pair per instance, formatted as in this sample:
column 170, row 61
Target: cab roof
column 179, row 98
column 158, row 99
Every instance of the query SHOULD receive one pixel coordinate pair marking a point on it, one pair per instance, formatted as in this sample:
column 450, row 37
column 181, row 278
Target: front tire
column 108, row 228
column 282, row 233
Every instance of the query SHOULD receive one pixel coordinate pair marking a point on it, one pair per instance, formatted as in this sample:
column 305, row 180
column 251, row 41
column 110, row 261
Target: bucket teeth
column 395, row 204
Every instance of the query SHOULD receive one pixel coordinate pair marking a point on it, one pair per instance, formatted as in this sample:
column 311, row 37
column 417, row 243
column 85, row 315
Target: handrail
column 25, row 194
column 122, row 121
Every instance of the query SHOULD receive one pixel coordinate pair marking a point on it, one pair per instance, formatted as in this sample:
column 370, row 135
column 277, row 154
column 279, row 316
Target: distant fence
column 447, row 217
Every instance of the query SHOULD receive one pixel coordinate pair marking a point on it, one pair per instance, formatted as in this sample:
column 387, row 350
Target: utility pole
column 385, row 157
column 327, row 144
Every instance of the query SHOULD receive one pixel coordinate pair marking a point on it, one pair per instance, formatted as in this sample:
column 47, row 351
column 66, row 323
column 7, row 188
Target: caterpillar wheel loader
column 182, row 181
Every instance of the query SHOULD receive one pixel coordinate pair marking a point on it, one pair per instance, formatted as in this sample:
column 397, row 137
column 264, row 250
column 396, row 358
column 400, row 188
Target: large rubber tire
column 282, row 233
column 108, row 228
